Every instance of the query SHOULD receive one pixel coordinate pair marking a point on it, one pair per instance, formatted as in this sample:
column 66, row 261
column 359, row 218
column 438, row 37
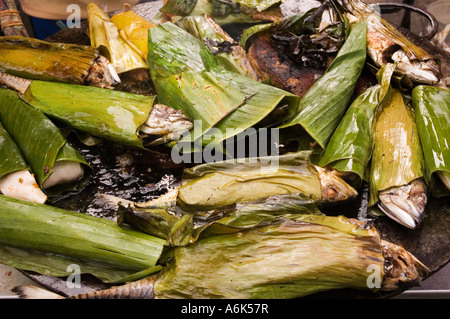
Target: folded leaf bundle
column 351, row 145
column 432, row 111
column 56, row 165
column 323, row 106
column 108, row 114
column 289, row 258
column 106, row 37
column 48, row 240
column 69, row 63
column 224, row 12
column 188, row 77
column 397, row 169
column 16, row 178
column 228, row 53
column 219, row 184
column 180, row 227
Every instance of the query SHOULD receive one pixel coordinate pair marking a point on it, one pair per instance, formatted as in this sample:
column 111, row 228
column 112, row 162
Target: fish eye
column 329, row 192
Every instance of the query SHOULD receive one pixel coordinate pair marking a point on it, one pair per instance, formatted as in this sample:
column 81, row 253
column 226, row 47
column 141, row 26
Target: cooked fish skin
column 102, row 74
column 13, row 82
column 273, row 65
column 405, row 204
column 166, row 122
column 333, row 187
column 384, row 40
column 139, row 289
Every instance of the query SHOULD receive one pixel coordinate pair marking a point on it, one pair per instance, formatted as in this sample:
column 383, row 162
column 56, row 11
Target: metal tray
column 136, row 174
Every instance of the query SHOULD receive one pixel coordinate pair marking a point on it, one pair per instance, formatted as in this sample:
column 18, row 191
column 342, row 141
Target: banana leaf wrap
column 47, row 240
column 325, row 103
column 11, row 159
column 432, row 114
column 350, row 147
column 106, row 37
column 39, row 140
column 397, row 157
column 228, row 54
column 187, row 77
column 111, row 115
column 289, row 258
column 181, row 227
column 219, row 184
column 39, row 60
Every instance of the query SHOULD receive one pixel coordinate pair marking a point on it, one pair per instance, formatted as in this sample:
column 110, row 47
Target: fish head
column 405, row 204
column 424, row 72
column 333, row 187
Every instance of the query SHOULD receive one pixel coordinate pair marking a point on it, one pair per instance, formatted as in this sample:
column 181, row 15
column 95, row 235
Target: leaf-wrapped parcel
column 432, row 114
column 40, row 141
column 350, row 147
column 47, row 240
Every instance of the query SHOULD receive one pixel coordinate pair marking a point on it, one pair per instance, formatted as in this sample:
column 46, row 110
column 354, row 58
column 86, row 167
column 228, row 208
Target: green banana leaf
column 172, row 51
column 219, row 184
column 228, row 54
column 39, row 140
column 350, row 147
column 290, row 258
column 187, row 77
column 11, row 159
column 103, row 113
column 397, row 157
column 47, row 240
column 325, row 103
column 201, row 96
column 432, row 114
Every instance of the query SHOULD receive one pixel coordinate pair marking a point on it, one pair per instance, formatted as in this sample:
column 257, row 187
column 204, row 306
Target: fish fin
column 34, row 292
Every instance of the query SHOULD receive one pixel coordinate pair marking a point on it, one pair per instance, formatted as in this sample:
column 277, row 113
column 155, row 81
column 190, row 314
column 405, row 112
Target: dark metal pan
column 144, row 175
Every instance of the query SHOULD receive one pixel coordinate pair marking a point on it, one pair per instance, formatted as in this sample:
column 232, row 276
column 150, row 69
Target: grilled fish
column 333, row 187
column 405, row 204
column 163, row 121
column 401, row 269
column 386, row 44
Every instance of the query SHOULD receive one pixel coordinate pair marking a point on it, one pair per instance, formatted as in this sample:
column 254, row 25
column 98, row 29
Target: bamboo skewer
column 10, row 21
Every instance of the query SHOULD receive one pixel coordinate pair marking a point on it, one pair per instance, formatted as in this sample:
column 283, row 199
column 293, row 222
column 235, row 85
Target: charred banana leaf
column 16, row 178
column 105, row 36
column 289, row 258
column 69, row 63
column 432, row 110
column 224, row 11
column 56, row 165
column 47, row 240
column 386, row 44
column 293, row 53
column 323, row 106
column 397, row 170
column 351, row 145
column 220, row 184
